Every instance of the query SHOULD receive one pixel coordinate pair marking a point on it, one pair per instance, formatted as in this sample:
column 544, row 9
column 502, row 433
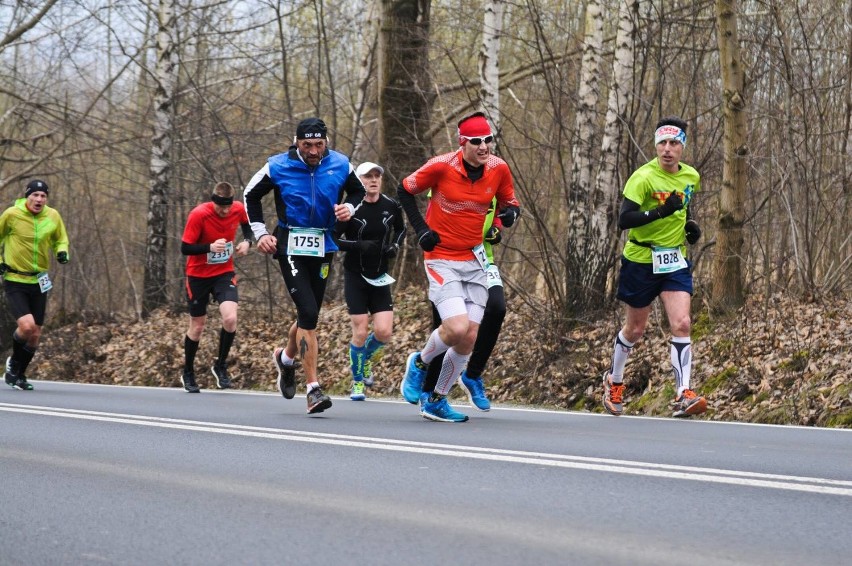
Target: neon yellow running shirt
column 29, row 240
column 649, row 186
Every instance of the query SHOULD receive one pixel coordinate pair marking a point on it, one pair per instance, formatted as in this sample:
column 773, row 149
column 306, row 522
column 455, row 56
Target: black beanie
column 36, row 185
column 311, row 128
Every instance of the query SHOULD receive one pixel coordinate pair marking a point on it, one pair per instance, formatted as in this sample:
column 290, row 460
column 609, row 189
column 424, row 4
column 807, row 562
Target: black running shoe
column 317, row 401
column 286, row 375
column 188, row 380
column 14, row 380
column 20, row 382
column 223, row 381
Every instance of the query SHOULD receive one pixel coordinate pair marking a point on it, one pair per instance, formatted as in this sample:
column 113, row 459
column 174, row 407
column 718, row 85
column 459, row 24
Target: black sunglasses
column 478, row 141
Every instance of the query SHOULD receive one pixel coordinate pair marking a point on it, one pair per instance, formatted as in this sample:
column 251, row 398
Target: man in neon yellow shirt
column 656, row 211
column 30, row 233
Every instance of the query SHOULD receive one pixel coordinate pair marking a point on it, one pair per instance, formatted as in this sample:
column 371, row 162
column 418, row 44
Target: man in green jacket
column 30, row 233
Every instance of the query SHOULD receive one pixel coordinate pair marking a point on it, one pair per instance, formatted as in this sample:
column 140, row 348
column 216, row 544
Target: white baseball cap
column 366, row 167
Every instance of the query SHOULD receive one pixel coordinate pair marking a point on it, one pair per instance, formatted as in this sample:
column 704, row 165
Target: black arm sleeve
column 339, row 236
column 355, row 192
column 631, row 217
column 194, row 249
column 247, row 233
column 409, row 205
column 398, row 227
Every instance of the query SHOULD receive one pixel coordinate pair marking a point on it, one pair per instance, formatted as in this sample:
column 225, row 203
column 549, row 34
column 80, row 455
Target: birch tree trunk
column 489, row 61
column 155, row 292
column 607, row 183
column 587, row 248
column 361, row 142
column 727, row 272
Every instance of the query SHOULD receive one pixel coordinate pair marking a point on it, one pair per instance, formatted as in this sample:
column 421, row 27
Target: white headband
column 669, row 132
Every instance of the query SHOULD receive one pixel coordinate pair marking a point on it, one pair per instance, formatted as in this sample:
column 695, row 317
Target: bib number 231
column 306, row 241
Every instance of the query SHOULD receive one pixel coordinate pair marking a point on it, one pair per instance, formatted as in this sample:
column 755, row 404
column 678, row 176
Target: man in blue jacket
column 308, row 183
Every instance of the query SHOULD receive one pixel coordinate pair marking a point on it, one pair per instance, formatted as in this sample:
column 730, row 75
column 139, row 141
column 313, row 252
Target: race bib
column 380, row 281
column 492, row 276
column 667, row 260
column 306, row 241
column 223, row 256
column 44, row 282
column 481, row 256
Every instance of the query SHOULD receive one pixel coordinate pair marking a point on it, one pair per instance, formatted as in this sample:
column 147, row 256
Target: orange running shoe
column 613, row 393
column 689, row 404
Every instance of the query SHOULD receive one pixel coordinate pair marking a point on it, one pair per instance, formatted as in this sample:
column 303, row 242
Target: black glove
column 428, row 239
column 493, row 236
column 62, row 257
column 693, row 232
column 673, row 204
column 368, row 246
column 390, row 250
column 508, row 215
column 4, row 267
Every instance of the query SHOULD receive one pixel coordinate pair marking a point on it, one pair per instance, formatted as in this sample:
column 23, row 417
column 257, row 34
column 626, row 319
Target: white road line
column 732, row 477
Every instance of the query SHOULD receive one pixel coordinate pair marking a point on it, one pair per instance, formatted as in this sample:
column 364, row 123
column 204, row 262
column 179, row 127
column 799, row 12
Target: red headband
column 475, row 126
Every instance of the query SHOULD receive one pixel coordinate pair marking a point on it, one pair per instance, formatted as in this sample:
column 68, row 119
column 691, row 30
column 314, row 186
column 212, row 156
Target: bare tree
column 727, row 276
column 607, row 181
column 588, row 247
column 489, row 60
column 405, row 96
column 155, row 291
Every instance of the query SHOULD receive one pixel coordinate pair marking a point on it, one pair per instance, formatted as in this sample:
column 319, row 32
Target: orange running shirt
column 458, row 206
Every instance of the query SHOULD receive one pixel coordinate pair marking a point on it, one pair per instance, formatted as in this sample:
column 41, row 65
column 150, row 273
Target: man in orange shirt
column 463, row 184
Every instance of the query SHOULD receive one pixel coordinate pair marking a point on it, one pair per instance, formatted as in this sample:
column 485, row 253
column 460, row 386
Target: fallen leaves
column 790, row 361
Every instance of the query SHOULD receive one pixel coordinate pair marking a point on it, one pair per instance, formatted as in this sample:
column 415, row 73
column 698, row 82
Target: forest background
column 131, row 111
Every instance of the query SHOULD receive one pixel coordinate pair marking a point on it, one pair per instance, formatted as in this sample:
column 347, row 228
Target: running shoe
column 286, row 375
column 475, row 390
column 412, row 384
column 10, row 376
column 613, row 394
column 357, row 391
column 689, row 404
column 439, row 410
column 22, row 384
column 317, row 401
column 223, row 381
column 188, row 380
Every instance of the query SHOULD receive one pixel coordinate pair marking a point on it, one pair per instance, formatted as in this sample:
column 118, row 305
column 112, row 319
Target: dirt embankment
column 777, row 361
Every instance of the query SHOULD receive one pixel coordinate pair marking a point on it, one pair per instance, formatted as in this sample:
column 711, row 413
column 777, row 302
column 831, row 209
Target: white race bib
column 44, row 282
column 380, row 281
column 481, row 256
column 667, row 260
column 223, row 256
column 492, row 275
column 306, row 241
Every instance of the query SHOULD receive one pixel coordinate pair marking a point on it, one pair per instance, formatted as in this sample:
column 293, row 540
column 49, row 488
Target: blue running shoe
column 412, row 383
column 475, row 390
column 439, row 410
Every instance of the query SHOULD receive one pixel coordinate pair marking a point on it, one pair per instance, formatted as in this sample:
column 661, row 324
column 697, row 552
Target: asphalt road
column 124, row 475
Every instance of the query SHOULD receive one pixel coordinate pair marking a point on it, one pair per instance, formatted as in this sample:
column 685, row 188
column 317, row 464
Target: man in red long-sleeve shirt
column 208, row 243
